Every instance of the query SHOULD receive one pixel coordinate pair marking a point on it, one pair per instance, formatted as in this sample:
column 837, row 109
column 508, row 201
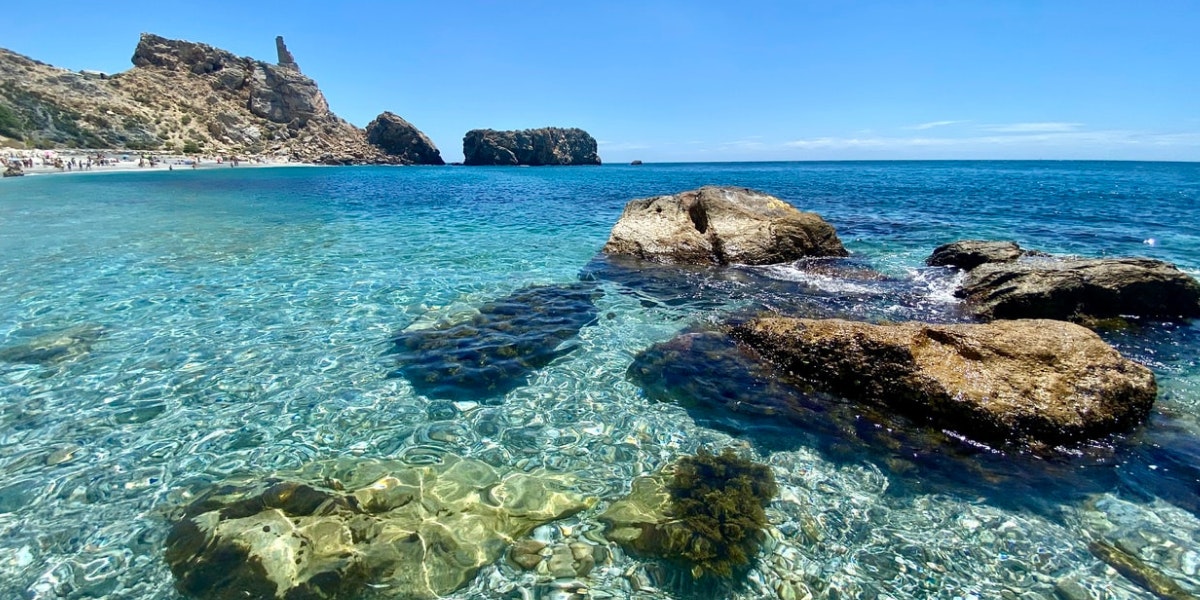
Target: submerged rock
column 722, row 386
column 968, row 254
column 54, row 348
column 403, row 140
column 720, row 225
column 1137, row 571
column 704, row 511
column 534, row 147
column 494, row 351
column 415, row 532
column 1038, row 381
column 1080, row 289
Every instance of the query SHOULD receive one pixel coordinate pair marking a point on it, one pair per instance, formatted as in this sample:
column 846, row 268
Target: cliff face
column 180, row 96
column 546, row 146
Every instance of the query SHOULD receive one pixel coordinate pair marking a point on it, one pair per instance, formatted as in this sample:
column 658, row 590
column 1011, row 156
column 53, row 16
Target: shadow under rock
column 725, row 386
column 494, row 351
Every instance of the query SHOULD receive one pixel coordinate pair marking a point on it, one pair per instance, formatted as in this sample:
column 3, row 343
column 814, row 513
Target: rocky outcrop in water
column 968, row 254
column 180, row 96
column 492, row 352
column 1081, row 289
column 406, row 531
column 1006, row 282
column 720, row 225
column 1040, row 381
column 534, row 147
column 399, row 138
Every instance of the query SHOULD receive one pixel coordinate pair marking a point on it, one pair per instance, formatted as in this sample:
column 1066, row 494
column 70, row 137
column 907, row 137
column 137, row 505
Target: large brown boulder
column 401, row 139
column 1081, row 289
column 721, row 225
column 1037, row 381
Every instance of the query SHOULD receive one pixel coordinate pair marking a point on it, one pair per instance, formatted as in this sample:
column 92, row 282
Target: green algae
column 719, row 501
column 706, row 513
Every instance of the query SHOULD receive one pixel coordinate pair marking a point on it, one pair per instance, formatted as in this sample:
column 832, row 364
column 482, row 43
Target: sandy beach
column 45, row 162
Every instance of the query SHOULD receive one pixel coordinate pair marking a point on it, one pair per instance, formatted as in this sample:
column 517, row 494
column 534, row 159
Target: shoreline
column 64, row 162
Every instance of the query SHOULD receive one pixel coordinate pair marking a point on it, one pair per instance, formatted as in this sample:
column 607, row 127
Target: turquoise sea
column 236, row 322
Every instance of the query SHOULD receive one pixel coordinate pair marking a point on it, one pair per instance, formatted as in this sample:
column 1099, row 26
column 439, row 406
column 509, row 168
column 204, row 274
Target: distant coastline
column 54, row 161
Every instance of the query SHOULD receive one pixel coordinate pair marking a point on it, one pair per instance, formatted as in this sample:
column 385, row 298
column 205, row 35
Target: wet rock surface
column 968, row 254
column 414, row 532
column 1080, row 289
column 1045, row 382
column 494, row 351
column 720, row 225
column 533, row 147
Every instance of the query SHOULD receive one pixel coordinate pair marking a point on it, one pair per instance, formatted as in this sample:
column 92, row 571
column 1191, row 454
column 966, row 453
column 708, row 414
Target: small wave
column 939, row 284
column 821, row 281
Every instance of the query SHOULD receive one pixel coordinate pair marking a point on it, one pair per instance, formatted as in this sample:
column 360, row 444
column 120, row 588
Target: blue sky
column 712, row 81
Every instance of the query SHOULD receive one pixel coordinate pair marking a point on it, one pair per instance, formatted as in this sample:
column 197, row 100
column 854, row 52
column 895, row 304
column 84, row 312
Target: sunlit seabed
column 237, row 322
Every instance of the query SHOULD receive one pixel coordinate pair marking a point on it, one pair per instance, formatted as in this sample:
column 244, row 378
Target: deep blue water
column 243, row 321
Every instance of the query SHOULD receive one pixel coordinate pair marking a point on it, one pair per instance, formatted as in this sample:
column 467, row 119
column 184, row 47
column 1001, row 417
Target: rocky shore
column 189, row 98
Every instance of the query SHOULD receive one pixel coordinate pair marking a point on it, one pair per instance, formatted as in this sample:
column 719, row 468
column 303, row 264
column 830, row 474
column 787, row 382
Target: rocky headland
column 533, row 147
column 187, row 97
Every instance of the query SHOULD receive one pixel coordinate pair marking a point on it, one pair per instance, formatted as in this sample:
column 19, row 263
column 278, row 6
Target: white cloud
column 932, row 124
column 1042, row 127
column 748, row 144
column 1066, row 137
column 836, row 142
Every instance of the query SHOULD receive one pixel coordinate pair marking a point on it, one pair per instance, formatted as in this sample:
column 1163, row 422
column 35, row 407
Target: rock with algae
column 706, row 512
column 405, row 531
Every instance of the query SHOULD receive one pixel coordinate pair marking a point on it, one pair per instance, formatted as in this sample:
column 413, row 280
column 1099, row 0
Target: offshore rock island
column 189, row 97
column 533, row 147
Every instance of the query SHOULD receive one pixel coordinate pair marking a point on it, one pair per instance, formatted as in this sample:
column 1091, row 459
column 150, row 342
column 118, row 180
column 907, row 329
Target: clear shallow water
column 237, row 322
